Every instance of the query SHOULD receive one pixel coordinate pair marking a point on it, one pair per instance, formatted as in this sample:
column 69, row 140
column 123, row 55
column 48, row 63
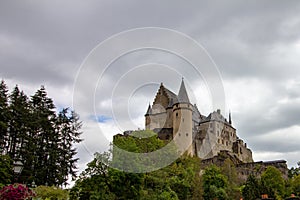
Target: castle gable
column 165, row 97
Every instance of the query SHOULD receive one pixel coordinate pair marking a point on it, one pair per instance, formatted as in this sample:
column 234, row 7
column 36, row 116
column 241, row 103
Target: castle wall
column 242, row 152
column 205, row 141
column 257, row 168
column 156, row 121
column 245, row 169
column 182, row 127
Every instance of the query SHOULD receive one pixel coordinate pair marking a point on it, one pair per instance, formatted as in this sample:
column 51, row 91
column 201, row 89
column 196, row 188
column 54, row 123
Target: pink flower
column 16, row 192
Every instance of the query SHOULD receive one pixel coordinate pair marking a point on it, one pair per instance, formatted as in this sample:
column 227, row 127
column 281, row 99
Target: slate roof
column 182, row 94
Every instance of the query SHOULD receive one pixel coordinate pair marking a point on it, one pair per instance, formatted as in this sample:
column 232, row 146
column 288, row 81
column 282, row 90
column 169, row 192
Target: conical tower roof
column 182, row 95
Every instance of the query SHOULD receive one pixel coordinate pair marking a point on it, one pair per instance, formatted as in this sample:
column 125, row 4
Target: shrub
column 46, row 192
column 16, row 191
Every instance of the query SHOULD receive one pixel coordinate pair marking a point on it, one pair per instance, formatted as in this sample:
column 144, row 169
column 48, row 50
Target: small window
column 182, row 119
column 176, row 114
column 187, row 134
column 179, row 134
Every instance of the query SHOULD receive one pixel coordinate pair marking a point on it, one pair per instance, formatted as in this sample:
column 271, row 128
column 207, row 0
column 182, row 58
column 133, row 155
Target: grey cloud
column 45, row 43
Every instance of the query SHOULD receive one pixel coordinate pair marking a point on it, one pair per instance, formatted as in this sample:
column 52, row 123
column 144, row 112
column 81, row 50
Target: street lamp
column 33, row 185
column 18, row 167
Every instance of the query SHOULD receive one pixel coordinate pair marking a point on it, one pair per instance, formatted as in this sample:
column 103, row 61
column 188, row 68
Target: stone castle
column 212, row 138
column 173, row 116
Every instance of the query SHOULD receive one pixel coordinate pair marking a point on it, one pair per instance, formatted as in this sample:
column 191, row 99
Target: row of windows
column 185, row 134
column 224, row 142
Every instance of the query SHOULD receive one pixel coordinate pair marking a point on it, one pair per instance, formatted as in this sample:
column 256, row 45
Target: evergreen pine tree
column 43, row 127
column 68, row 129
column 3, row 116
column 19, row 111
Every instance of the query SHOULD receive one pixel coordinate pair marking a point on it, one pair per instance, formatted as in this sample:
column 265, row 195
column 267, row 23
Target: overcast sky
column 255, row 46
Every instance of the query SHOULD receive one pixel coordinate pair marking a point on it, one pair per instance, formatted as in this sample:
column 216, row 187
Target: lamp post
column 18, row 167
column 33, row 185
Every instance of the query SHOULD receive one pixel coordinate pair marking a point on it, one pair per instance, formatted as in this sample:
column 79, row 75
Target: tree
column 295, row 185
column 229, row 170
column 45, row 137
column 272, row 182
column 18, row 123
column 68, row 129
column 4, row 117
column 101, row 182
column 6, row 172
column 251, row 189
column 19, row 142
column 214, row 184
column 179, row 180
column 32, row 132
column 294, row 171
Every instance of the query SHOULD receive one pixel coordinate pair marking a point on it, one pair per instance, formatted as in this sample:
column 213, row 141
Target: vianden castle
column 212, row 138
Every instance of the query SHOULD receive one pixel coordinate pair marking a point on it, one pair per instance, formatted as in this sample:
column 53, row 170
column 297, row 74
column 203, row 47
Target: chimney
column 219, row 111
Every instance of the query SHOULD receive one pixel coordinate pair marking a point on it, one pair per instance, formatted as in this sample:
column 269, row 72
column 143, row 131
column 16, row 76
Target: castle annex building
column 173, row 115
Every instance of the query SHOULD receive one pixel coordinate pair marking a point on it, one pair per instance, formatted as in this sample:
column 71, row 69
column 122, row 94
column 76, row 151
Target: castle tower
column 182, row 121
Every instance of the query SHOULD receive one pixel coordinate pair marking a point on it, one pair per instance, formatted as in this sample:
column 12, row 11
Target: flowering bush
column 16, row 192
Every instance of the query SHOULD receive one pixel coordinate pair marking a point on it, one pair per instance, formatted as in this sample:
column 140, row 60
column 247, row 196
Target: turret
column 148, row 117
column 182, row 121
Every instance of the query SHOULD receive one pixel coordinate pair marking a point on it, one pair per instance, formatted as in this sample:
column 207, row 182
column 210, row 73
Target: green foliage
column 294, row 171
column 229, row 170
column 251, row 189
column 3, row 115
column 138, row 154
column 295, row 185
column 272, row 182
column 214, row 184
column 180, row 180
column 6, row 172
column 51, row 193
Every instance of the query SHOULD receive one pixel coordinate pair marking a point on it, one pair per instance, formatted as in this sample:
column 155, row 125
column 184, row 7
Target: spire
column 149, row 110
column 230, row 122
column 182, row 95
